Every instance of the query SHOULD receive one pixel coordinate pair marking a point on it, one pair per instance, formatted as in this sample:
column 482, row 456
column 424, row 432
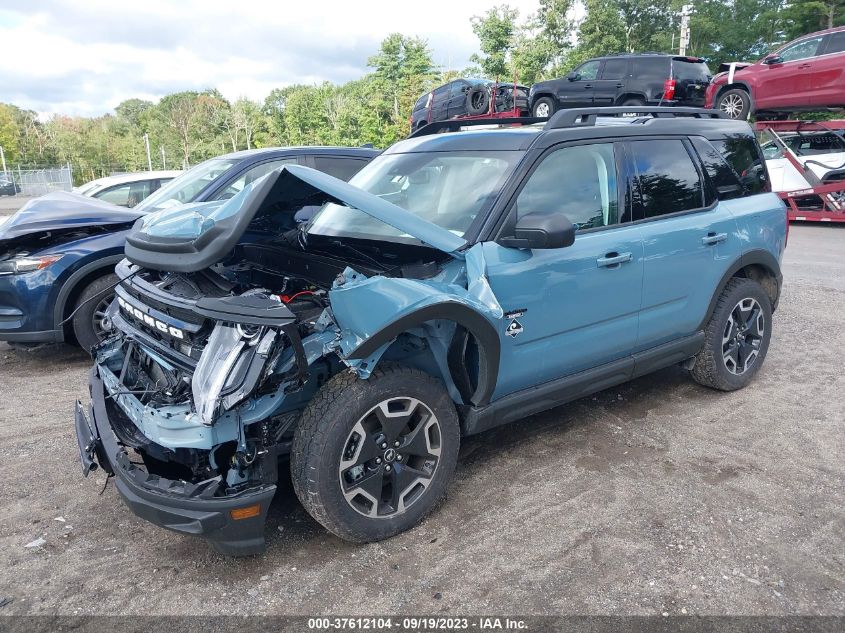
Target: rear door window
column 835, row 43
column 614, row 69
column 665, row 178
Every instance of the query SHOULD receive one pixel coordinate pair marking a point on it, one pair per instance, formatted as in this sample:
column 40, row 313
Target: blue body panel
column 31, row 304
column 681, row 271
column 576, row 313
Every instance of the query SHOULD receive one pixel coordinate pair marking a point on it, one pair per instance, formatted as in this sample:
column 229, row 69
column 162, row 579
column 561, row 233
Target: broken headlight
column 230, row 366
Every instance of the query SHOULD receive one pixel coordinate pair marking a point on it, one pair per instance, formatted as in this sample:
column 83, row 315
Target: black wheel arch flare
column 489, row 345
column 757, row 257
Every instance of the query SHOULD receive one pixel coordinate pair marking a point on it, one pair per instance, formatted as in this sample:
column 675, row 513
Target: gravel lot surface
column 657, row 497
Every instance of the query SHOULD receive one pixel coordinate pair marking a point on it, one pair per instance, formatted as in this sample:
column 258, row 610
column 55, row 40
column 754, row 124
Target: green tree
column 496, row 31
column 9, row 133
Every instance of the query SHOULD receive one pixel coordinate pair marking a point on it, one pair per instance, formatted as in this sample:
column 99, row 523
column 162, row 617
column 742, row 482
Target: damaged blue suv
column 460, row 281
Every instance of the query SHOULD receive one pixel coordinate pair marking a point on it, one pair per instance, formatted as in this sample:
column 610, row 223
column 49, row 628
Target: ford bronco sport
column 460, row 281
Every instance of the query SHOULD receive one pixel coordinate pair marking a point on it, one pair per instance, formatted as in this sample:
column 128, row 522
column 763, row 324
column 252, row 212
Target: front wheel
column 735, row 103
column 736, row 338
column 371, row 458
column 544, row 108
column 90, row 323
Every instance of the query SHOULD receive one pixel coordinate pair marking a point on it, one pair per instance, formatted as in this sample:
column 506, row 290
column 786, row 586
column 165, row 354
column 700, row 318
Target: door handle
column 713, row 238
column 588, row 86
column 620, row 85
column 614, row 259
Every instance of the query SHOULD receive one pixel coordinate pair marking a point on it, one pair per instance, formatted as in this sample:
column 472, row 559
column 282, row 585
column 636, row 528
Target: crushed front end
column 195, row 398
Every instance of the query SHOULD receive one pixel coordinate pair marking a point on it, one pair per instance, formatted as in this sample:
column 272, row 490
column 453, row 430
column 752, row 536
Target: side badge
column 514, row 328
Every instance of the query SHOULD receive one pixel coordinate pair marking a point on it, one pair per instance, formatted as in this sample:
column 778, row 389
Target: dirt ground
column 657, row 497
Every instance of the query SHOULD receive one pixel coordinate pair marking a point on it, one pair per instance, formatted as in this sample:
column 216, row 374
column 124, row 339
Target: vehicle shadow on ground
column 288, row 521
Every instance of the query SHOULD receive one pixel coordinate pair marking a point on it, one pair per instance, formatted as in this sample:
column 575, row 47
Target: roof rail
column 575, row 117
column 453, row 125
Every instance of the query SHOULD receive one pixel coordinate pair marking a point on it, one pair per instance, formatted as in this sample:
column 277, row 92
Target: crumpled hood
column 61, row 211
column 379, row 208
column 191, row 238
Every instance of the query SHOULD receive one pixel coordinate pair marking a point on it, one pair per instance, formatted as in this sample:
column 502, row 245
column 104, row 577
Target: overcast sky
column 86, row 56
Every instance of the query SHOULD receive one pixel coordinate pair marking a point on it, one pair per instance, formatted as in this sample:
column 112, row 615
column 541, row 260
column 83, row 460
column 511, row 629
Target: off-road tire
column 322, row 433
column 83, row 321
column 709, row 368
column 548, row 102
column 730, row 100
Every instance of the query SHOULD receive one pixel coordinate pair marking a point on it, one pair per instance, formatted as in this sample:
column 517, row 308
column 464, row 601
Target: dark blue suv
column 57, row 254
column 459, row 281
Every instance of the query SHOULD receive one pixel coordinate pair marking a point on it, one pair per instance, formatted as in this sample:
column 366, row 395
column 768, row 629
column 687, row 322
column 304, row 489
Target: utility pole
column 163, row 161
column 3, row 158
column 147, row 144
column 686, row 12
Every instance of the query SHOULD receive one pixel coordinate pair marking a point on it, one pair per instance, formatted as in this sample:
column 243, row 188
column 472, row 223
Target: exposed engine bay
column 200, row 361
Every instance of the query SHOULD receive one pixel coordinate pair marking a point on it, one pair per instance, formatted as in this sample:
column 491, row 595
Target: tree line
column 187, row 127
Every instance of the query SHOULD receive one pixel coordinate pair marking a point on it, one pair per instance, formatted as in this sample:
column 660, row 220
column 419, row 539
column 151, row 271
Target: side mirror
column 541, row 230
column 573, row 76
column 773, row 59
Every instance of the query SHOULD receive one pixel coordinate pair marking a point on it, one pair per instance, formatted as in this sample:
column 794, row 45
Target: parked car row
column 57, row 254
column 806, row 74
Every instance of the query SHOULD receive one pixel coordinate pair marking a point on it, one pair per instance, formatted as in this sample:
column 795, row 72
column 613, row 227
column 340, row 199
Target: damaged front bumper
column 233, row 523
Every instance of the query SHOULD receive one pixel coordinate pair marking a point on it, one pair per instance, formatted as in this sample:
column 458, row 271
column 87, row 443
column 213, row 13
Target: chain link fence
column 36, row 182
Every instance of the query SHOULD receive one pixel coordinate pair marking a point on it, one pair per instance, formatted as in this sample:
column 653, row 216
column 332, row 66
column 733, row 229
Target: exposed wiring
column 99, row 296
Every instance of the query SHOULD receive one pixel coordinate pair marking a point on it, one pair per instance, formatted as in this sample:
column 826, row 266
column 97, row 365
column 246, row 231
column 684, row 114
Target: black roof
column 571, row 124
column 298, row 150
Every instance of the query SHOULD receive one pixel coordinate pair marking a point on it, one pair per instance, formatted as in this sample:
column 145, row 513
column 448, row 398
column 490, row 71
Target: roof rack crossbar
column 576, row 117
column 453, row 125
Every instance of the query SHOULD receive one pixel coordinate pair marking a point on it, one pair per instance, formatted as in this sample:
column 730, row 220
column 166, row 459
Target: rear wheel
column 736, row 337
column 735, row 103
column 372, row 457
column 90, row 323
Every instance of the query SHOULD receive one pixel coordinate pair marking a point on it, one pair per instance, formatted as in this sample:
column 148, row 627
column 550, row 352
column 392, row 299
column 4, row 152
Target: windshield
column 188, row 186
column 447, row 189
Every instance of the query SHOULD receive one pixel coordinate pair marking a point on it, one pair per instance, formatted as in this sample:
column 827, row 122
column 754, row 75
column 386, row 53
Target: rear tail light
column 669, row 89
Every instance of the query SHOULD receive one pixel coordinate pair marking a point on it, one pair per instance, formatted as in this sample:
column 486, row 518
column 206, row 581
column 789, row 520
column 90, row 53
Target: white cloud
column 86, row 57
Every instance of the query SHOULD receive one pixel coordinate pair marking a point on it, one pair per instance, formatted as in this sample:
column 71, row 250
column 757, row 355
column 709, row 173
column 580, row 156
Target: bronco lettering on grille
column 175, row 332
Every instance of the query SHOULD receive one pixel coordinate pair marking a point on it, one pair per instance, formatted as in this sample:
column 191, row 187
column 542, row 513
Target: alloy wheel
column 743, row 336
column 390, row 457
column 542, row 110
column 100, row 320
column 732, row 106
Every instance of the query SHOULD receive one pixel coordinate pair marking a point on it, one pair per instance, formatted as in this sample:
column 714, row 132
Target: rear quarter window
column 743, row 154
column 724, row 179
